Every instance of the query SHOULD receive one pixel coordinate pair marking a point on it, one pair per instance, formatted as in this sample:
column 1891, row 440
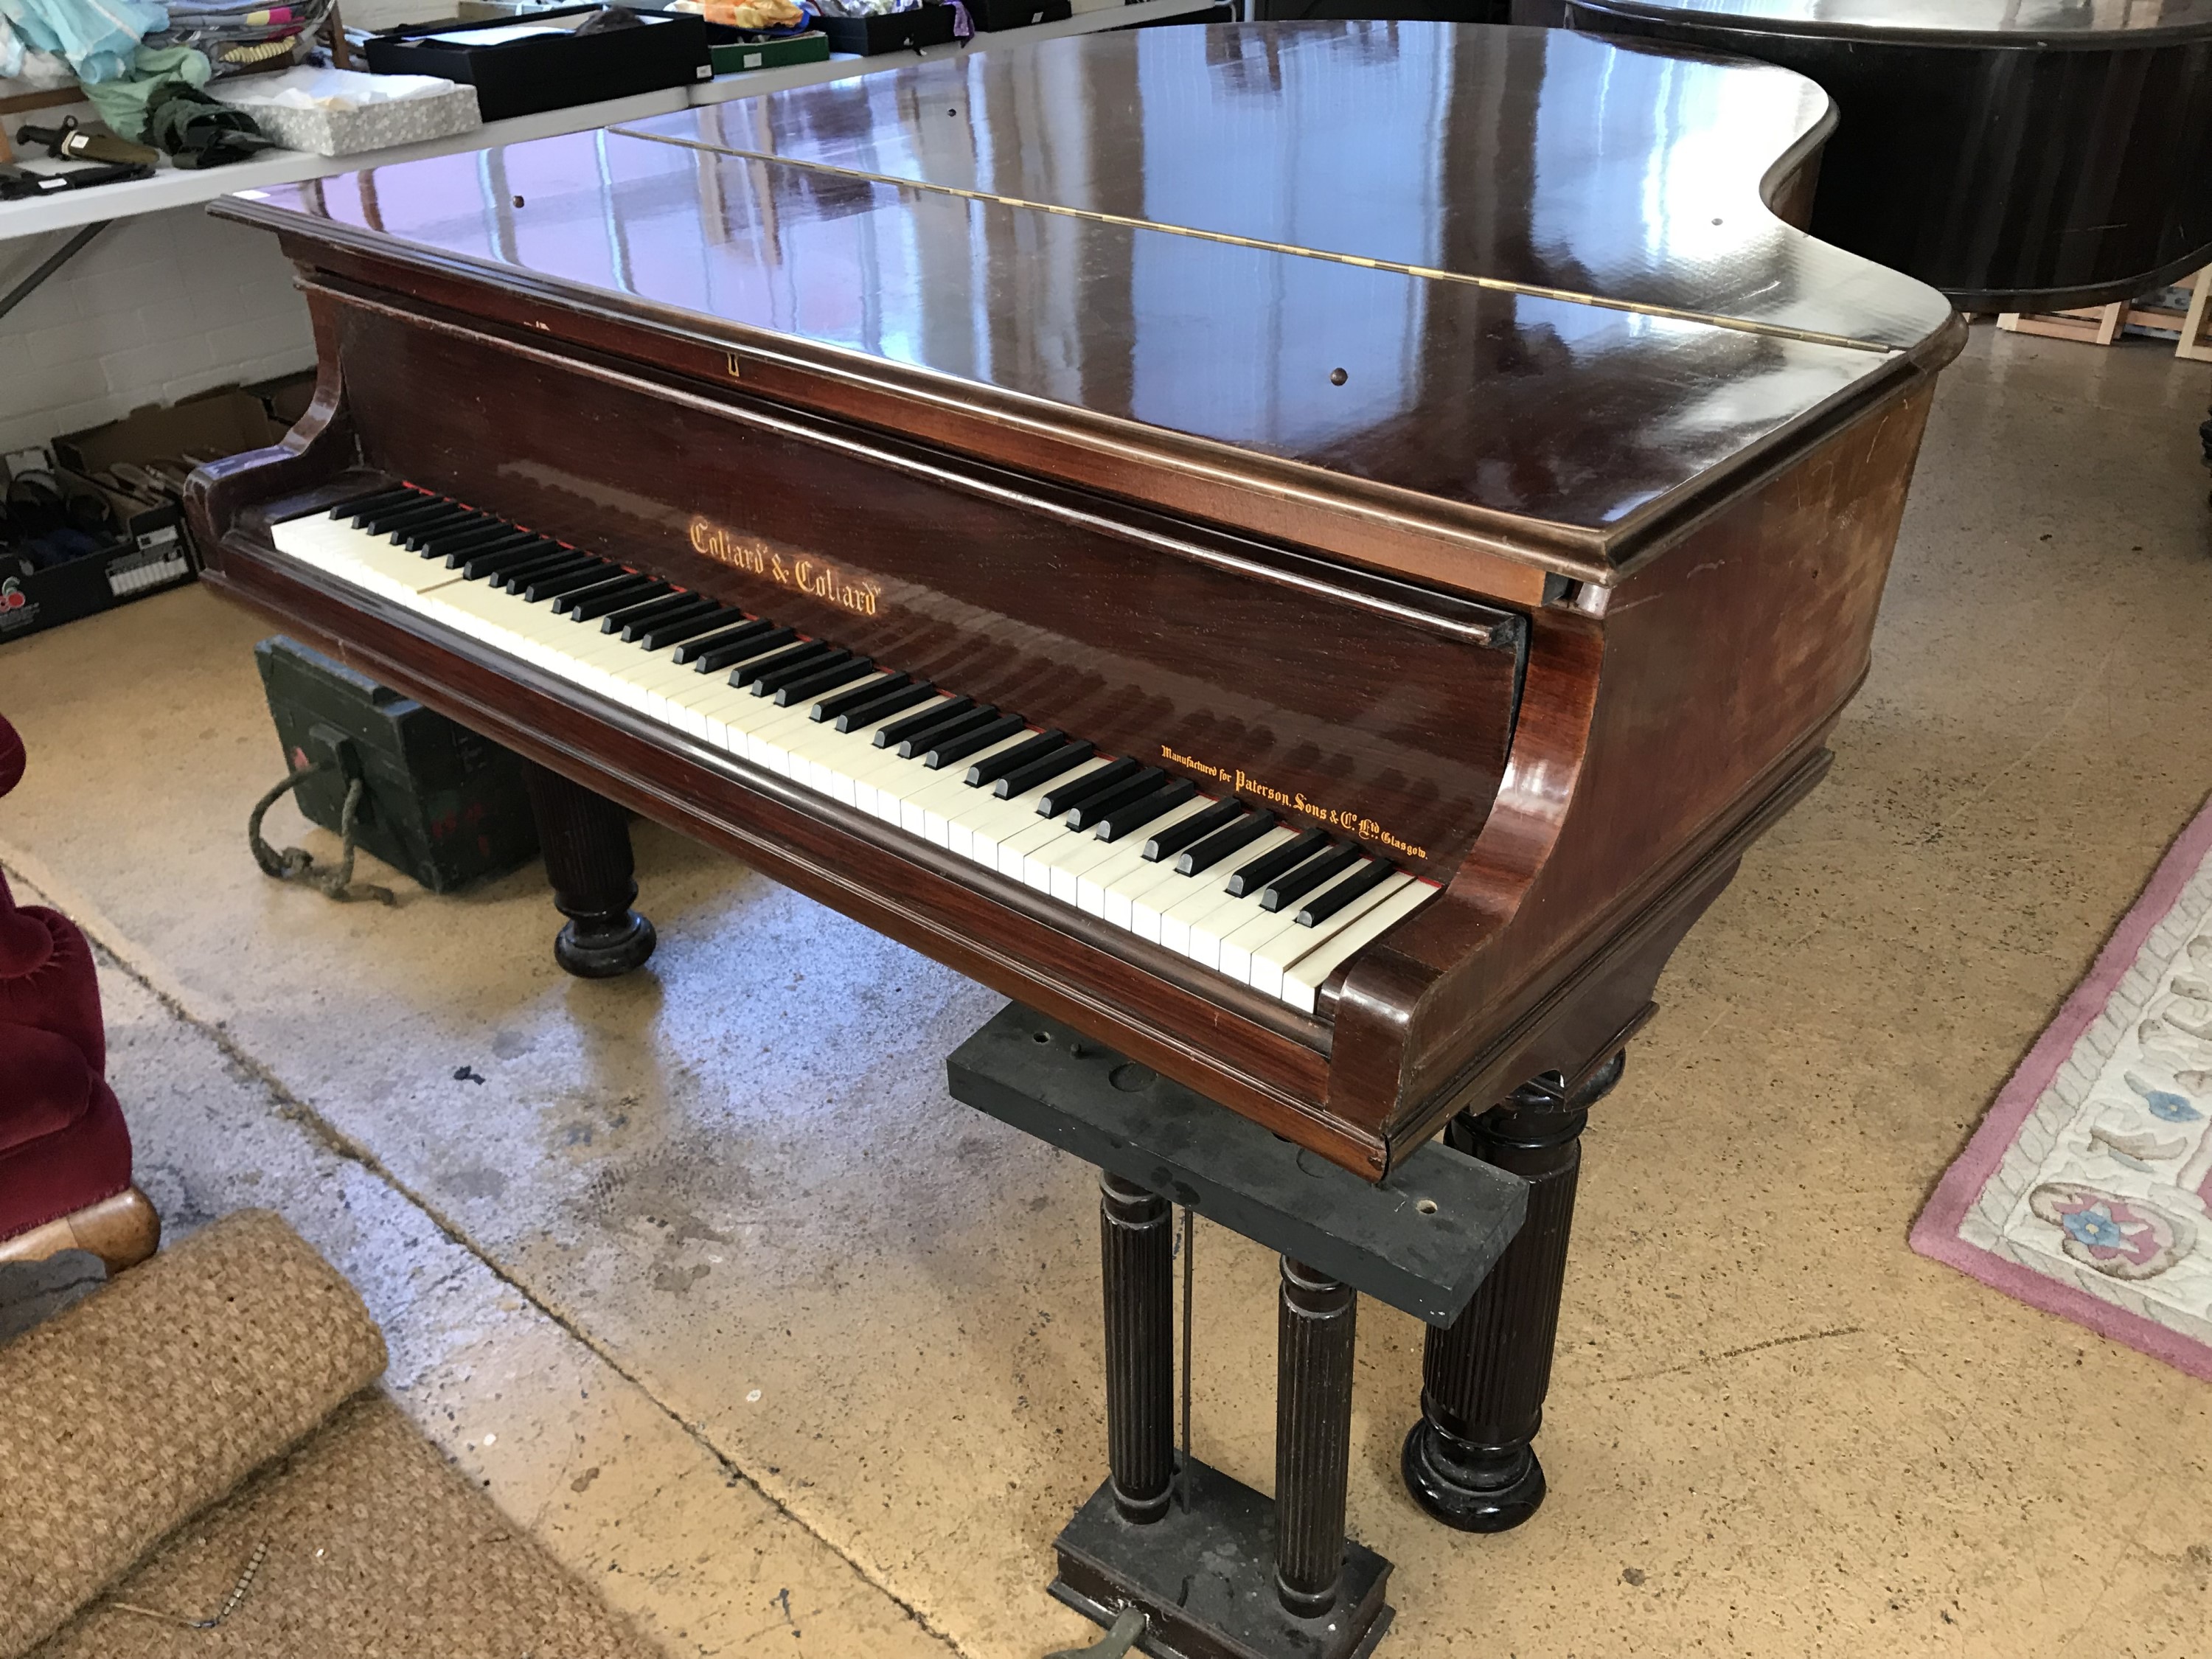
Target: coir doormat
column 2088, row 1189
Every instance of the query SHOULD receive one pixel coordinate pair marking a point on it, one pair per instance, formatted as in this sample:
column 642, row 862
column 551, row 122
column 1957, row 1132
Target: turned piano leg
column 1137, row 1254
column 1470, row 1462
column 586, row 840
column 1316, row 1325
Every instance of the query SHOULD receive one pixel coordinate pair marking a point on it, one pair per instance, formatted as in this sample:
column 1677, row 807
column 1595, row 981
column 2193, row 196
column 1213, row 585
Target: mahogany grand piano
column 1304, row 553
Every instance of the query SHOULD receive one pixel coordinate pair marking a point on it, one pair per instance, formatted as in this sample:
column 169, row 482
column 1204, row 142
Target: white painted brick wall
column 157, row 308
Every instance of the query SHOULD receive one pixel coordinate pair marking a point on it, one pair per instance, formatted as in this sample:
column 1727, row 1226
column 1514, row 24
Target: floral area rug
column 2087, row 1190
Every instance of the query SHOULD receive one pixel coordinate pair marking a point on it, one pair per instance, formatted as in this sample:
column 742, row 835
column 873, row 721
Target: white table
column 172, row 187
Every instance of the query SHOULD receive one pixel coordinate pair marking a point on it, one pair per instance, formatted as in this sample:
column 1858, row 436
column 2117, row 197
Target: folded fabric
column 96, row 37
column 121, row 104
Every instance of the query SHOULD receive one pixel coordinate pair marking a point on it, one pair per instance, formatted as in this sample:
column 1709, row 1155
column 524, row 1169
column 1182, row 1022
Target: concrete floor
column 706, row 1277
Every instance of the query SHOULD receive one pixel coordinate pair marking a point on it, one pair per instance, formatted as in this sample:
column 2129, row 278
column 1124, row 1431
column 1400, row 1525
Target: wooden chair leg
column 122, row 1232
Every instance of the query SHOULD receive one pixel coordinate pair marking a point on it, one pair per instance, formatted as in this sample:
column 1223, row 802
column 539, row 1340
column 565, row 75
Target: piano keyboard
column 1232, row 887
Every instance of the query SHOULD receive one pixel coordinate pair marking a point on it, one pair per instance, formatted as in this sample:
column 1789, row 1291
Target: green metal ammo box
column 442, row 803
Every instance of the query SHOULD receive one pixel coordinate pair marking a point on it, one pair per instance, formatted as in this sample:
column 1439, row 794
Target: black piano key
column 944, row 709
column 1087, row 812
column 1057, row 799
column 695, row 604
column 515, row 541
column 1012, row 760
column 1264, row 868
column 418, row 540
column 948, row 748
column 406, row 501
column 1290, row 888
column 689, row 627
column 1176, row 836
column 619, row 588
column 740, row 650
column 770, row 682
column 397, row 524
column 645, row 606
column 492, row 560
column 446, row 545
column 946, row 731
column 883, row 706
column 593, row 604
column 1322, row 906
column 1040, row 772
column 564, row 578
column 815, row 682
column 830, row 708
column 1222, row 842
column 763, row 676
column 740, row 629
column 560, row 562
column 356, row 507
column 1143, row 809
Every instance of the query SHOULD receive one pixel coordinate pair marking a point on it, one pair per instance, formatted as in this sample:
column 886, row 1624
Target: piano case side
column 1664, row 724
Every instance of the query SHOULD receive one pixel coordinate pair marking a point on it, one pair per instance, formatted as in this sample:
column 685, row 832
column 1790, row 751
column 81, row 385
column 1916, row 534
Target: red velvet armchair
column 65, row 1153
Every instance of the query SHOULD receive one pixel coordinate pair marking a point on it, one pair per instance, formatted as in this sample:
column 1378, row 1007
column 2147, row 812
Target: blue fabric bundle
column 95, row 38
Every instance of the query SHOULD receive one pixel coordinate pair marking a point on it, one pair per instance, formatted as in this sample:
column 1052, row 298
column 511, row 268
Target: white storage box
column 343, row 112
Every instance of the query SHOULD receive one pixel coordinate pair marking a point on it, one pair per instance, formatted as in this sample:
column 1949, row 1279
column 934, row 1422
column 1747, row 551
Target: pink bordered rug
column 2087, row 1190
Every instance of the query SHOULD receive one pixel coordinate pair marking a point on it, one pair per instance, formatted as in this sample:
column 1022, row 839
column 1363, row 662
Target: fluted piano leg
column 1137, row 1256
column 586, row 840
column 1315, row 1326
column 1469, row 1462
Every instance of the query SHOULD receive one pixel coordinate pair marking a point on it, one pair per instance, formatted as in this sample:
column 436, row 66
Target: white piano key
column 1302, row 978
column 1204, row 894
column 1270, row 962
column 1095, row 886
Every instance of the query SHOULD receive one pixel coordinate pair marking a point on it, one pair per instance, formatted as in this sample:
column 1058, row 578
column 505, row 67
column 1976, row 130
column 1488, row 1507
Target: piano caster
column 586, row 840
column 1469, row 1462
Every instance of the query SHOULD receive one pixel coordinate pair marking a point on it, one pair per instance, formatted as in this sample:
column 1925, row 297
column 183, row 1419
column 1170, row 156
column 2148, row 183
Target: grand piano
column 1306, row 552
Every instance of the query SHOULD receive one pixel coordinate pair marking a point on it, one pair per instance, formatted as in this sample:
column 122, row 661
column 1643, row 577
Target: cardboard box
column 735, row 51
column 154, row 551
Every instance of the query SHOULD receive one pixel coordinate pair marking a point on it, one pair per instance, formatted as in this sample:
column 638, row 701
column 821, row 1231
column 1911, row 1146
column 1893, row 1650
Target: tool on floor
column 1115, row 1643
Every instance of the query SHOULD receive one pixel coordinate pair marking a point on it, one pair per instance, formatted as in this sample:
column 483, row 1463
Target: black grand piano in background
column 2019, row 154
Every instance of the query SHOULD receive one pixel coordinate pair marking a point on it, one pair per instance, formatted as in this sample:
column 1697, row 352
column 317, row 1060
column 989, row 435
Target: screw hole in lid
column 1425, row 1205
column 518, row 201
column 1338, row 377
column 1040, row 1037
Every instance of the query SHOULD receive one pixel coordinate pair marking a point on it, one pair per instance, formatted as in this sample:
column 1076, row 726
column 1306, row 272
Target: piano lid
column 2060, row 24
column 1524, row 292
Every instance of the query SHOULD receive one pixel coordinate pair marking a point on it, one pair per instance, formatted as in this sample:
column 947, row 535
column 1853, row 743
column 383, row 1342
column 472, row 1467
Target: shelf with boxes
column 96, row 519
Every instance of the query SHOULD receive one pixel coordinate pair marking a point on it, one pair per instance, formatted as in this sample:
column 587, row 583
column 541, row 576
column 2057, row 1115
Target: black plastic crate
column 556, row 70
column 1018, row 13
column 892, row 31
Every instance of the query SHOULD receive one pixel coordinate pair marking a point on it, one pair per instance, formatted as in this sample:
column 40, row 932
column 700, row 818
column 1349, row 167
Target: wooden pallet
column 2104, row 325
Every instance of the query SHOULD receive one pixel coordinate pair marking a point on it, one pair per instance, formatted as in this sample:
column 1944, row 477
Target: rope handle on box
column 296, row 863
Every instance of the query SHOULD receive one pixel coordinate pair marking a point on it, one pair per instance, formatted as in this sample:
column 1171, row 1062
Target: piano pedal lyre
column 1216, row 1569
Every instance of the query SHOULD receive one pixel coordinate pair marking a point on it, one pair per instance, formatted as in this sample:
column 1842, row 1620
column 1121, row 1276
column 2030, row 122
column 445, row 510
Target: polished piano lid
column 1521, row 280
column 2046, row 23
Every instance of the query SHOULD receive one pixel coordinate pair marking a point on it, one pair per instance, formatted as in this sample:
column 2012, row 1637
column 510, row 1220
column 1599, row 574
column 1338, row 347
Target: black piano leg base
column 1474, row 1488
column 586, row 840
column 1470, row 1462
